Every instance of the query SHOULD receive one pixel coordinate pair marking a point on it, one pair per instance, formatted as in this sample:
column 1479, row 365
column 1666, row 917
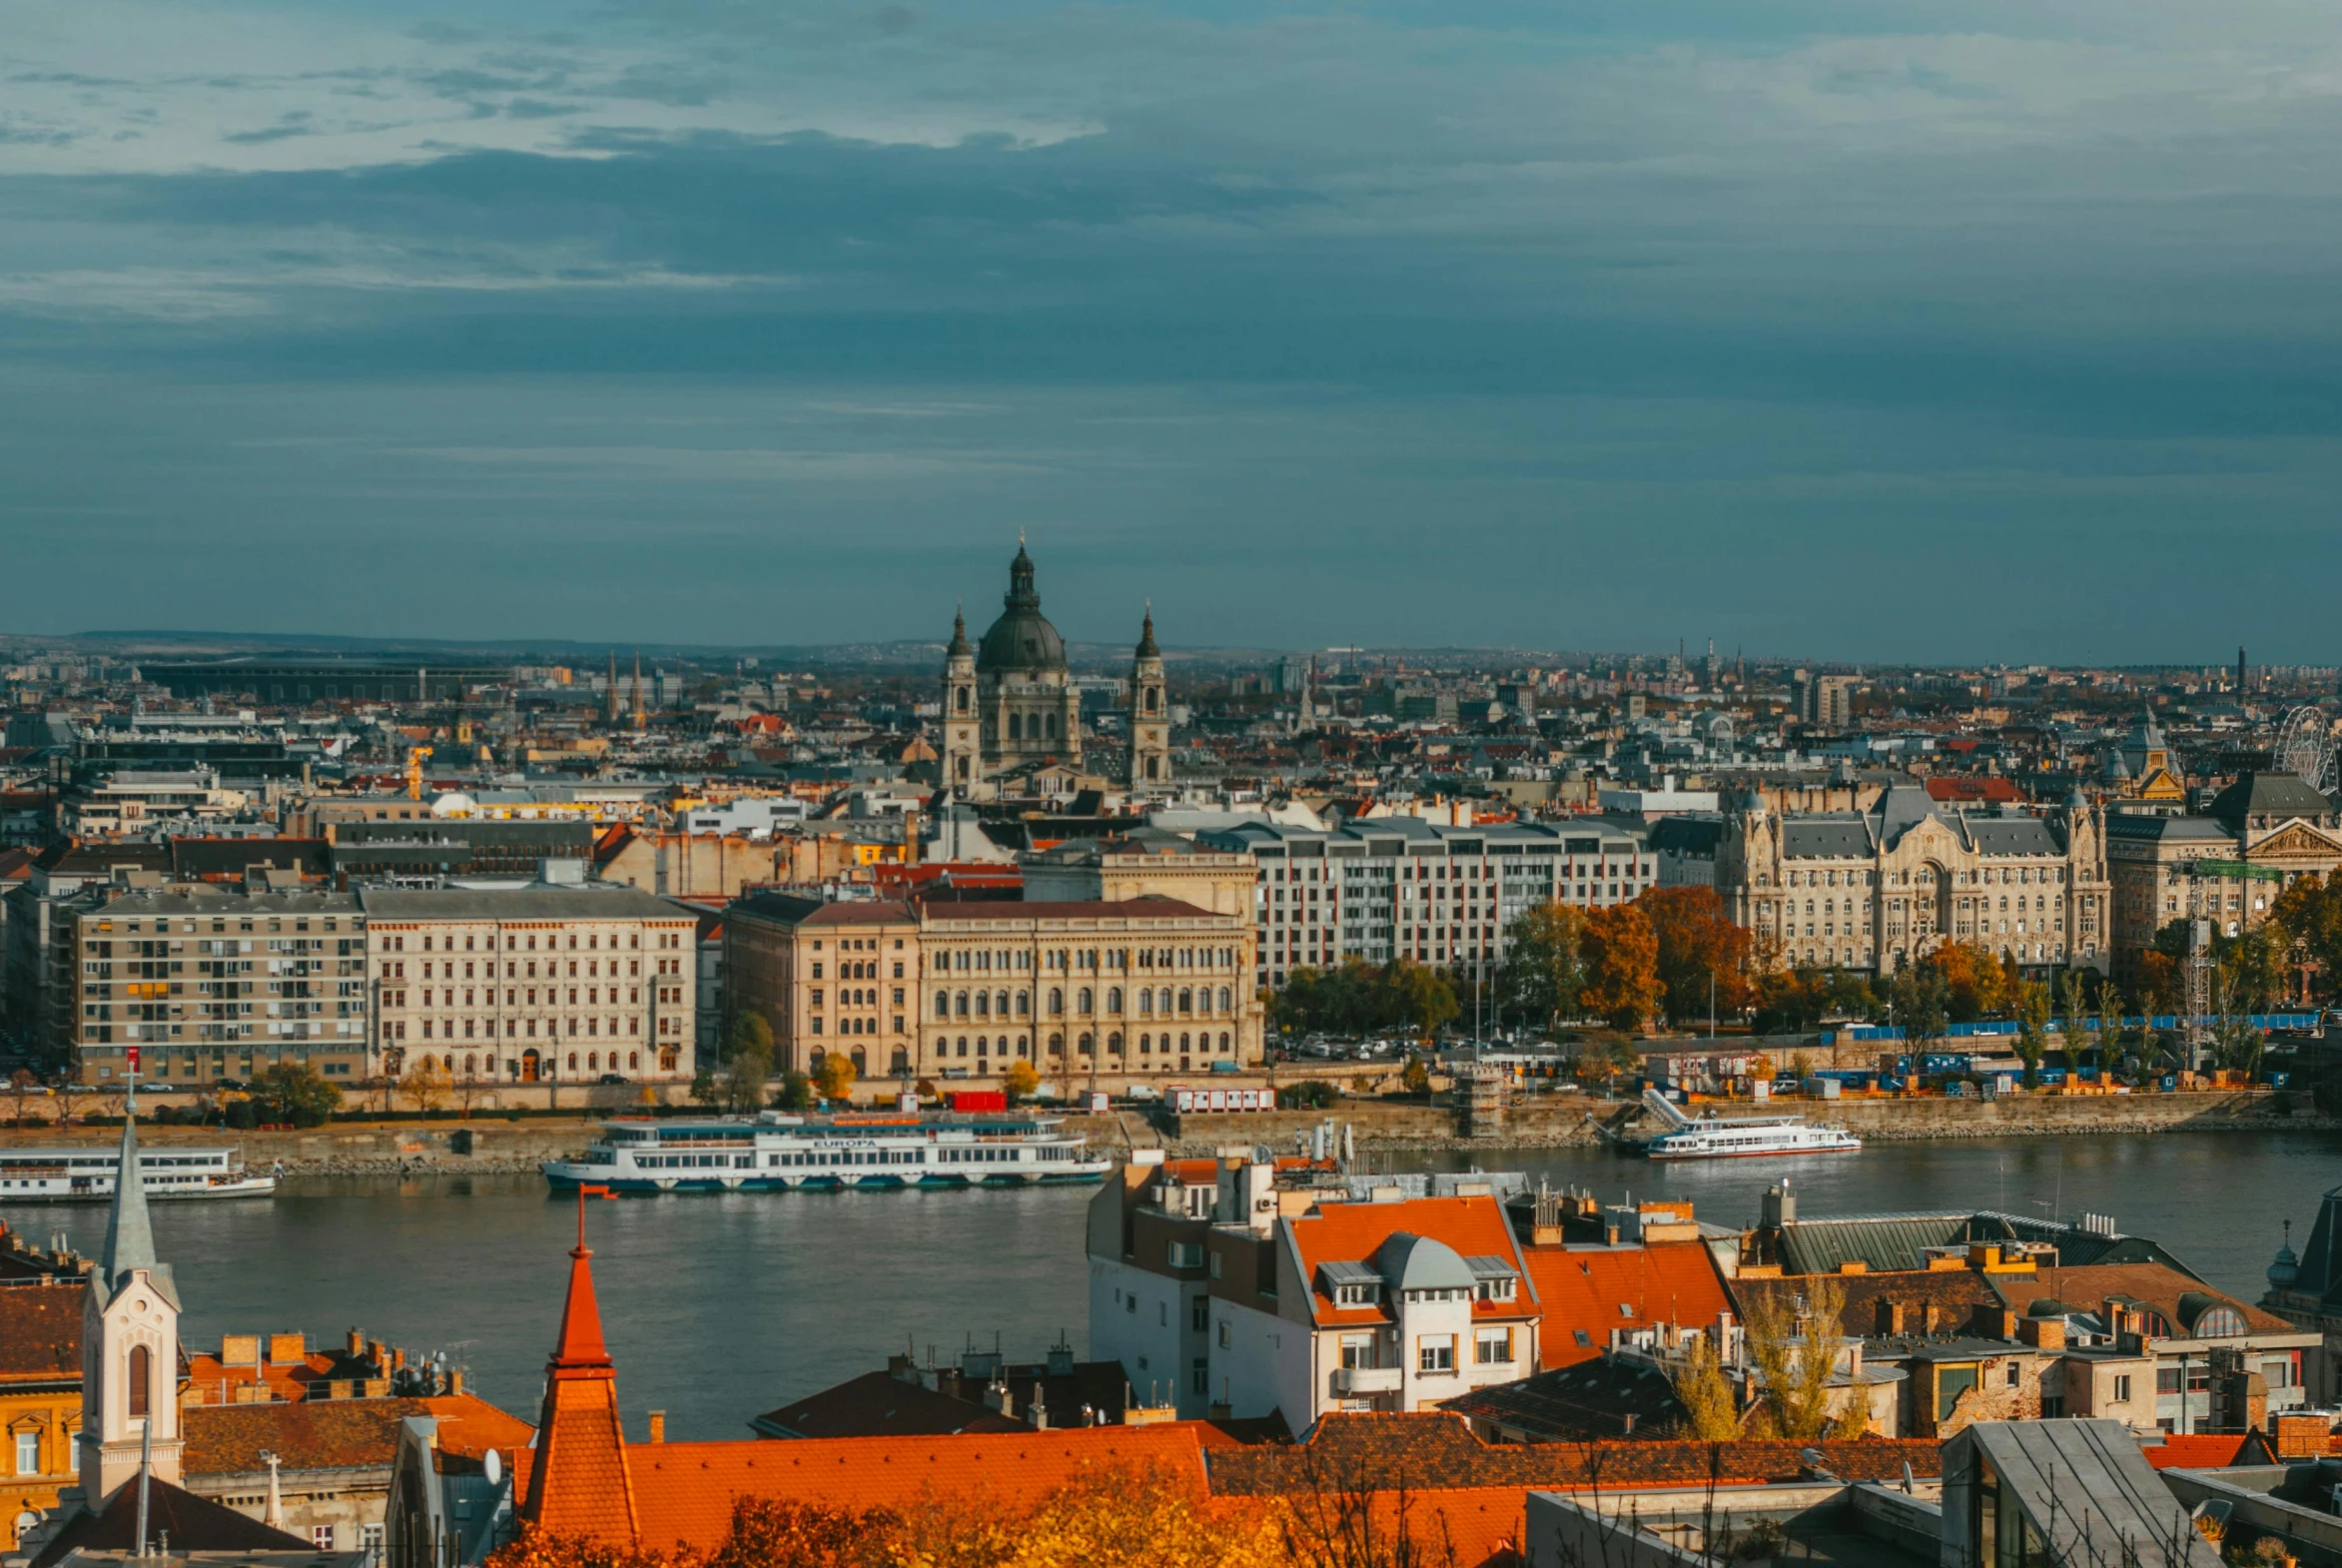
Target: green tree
column 1415, row 996
column 2074, row 1000
column 796, row 1092
column 2110, row 1029
column 293, row 1093
column 749, row 1062
column 1922, row 997
column 1543, row 970
column 2032, row 1028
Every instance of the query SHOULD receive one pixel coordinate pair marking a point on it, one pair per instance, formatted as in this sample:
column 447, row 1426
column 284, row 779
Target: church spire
column 959, row 648
column 130, row 1234
column 581, row 1483
column 1147, row 647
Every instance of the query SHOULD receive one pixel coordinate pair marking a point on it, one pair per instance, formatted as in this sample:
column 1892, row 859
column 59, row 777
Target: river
column 718, row 1307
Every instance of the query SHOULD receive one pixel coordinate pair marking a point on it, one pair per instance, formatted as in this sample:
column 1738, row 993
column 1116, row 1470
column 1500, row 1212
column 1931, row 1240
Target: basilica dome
column 1022, row 640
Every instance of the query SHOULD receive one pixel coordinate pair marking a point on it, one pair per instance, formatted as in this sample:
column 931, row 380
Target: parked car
column 613, row 1078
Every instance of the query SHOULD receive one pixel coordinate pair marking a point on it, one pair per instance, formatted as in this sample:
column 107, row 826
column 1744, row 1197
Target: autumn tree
column 1022, row 1080
column 293, row 1094
column 1711, row 1408
column 427, row 1085
column 1622, row 966
column 834, row 1076
column 1698, row 947
column 1538, row 981
column 1793, row 1339
column 1974, row 985
column 2309, row 913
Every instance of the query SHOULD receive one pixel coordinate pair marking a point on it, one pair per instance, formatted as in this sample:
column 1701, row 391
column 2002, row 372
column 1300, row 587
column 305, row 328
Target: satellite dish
column 493, row 1467
column 2305, row 747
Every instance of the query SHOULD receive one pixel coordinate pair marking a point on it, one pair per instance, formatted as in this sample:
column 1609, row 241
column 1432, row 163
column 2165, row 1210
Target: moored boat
column 1740, row 1138
column 782, row 1153
column 84, row 1173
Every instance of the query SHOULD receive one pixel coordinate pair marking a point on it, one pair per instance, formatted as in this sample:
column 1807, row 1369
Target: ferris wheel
column 2305, row 747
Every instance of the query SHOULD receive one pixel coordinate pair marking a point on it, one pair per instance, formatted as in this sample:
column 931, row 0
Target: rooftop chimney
column 658, row 1426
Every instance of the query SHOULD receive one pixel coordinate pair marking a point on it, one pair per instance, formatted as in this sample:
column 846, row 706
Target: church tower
column 129, row 1347
column 1150, row 716
column 962, row 721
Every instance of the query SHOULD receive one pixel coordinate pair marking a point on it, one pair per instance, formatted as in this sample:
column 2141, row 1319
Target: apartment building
column 1104, row 990
column 519, row 985
column 1227, row 1294
column 1386, row 888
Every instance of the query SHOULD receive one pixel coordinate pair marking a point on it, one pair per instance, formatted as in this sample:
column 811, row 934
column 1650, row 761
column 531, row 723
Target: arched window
column 1023, row 1003
column 1056, row 1001
column 1113, row 1043
column 1187, row 1000
column 667, row 1056
column 1224, row 999
column 961, row 1006
column 1085, row 1045
column 983, row 1045
column 963, row 695
column 1145, row 1044
column 1113, row 998
column 861, row 1062
column 1053, row 726
column 1082, row 998
column 1057, row 1045
column 984, row 1004
column 633, row 1060
column 142, row 1364
column 1163, row 1000
column 1183, row 1042
column 572, row 1061
column 1001, row 1005
column 1146, row 1001
column 470, row 1066
column 1224, row 1042
column 1016, row 727
column 943, row 1005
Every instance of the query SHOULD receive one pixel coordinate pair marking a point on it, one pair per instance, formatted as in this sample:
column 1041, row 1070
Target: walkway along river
column 721, row 1308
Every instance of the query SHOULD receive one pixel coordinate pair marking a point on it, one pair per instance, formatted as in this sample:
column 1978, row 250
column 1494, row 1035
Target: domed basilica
column 1009, row 702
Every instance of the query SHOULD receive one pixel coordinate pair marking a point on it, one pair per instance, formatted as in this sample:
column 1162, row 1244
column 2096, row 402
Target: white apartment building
column 1386, row 888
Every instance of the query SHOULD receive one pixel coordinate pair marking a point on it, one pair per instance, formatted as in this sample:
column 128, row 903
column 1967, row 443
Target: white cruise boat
column 1740, row 1138
column 84, row 1173
column 776, row 1153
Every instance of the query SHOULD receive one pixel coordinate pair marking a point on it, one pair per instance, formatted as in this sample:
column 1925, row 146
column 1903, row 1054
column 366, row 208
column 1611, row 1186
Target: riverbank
column 391, row 1148
column 1562, row 1121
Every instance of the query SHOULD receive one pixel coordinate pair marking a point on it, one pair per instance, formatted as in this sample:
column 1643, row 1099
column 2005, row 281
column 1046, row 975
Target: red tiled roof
column 685, row 1491
column 2157, row 1285
column 1353, row 1232
column 337, row 1434
column 1583, row 1289
column 40, row 1332
column 1440, row 1451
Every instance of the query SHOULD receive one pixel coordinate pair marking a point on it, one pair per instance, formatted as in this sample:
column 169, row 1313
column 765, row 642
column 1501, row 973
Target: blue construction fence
column 2003, row 1026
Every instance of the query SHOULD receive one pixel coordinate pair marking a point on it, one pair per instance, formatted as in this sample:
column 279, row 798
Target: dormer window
column 1361, row 1295
column 1499, row 1289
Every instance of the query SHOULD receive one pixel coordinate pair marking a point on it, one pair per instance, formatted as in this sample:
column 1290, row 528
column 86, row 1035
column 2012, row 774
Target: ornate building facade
column 2227, row 864
column 1010, row 702
column 1876, row 890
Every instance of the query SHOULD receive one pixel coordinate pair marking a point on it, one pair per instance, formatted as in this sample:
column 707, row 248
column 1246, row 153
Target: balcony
column 1351, row 1382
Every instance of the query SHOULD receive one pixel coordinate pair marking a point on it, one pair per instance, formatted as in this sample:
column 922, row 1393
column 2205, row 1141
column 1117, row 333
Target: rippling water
column 718, row 1307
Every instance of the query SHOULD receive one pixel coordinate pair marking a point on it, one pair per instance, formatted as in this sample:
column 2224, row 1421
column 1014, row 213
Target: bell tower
column 962, row 720
column 129, row 1347
column 1150, row 716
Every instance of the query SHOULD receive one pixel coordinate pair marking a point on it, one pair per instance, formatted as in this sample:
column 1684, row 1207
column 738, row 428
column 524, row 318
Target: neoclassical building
column 1876, row 890
column 1009, row 702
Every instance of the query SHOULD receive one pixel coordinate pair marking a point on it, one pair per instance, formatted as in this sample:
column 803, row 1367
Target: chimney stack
column 658, row 1426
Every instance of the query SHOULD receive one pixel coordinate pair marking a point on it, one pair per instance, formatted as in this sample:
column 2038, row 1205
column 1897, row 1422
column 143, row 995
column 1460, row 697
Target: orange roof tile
column 684, row 1491
column 40, row 1332
column 337, row 1434
column 1583, row 1288
column 580, row 1484
column 2196, row 1450
column 1353, row 1232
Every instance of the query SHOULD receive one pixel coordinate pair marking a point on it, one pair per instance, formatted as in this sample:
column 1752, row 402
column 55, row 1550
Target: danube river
column 719, row 1307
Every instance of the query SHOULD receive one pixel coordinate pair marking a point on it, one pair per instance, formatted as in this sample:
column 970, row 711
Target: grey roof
column 2011, row 836
column 2138, row 825
column 2085, row 1487
column 1886, row 1243
column 1902, row 807
column 1486, row 1265
column 208, row 897
column 2269, row 795
column 516, row 904
column 1348, row 1274
column 1826, row 836
column 1022, row 638
column 130, row 1234
column 1697, row 836
column 1419, row 1262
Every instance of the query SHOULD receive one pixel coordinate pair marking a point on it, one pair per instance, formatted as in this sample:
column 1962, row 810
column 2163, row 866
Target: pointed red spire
column 580, row 1345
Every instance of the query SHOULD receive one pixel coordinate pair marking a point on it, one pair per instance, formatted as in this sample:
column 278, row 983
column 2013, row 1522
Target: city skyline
column 1966, row 334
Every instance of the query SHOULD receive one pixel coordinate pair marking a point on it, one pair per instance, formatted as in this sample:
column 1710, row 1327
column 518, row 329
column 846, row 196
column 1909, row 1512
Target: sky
column 1948, row 330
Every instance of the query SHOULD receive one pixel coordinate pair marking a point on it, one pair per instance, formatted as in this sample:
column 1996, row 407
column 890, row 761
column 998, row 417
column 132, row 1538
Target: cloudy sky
column 1945, row 329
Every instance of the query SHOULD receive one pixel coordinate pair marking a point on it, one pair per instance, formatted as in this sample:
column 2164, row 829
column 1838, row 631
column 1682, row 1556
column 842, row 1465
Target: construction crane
column 414, row 756
column 2197, row 977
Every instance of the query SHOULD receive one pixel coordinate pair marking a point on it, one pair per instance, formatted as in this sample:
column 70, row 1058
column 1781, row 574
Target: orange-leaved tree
column 1698, row 946
column 1621, row 955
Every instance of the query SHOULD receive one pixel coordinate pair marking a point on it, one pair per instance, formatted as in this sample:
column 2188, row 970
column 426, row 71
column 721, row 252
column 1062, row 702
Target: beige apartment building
column 1148, row 863
column 530, row 984
column 518, row 986
column 1104, row 990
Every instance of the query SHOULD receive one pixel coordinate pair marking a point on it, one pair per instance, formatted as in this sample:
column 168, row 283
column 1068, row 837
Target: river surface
column 718, row 1307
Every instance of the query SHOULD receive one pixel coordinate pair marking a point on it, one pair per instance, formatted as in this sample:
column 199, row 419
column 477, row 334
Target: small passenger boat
column 84, row 1173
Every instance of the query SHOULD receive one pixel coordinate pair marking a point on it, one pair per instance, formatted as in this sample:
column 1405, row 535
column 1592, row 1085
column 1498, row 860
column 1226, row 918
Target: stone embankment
column 1569, row 1121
